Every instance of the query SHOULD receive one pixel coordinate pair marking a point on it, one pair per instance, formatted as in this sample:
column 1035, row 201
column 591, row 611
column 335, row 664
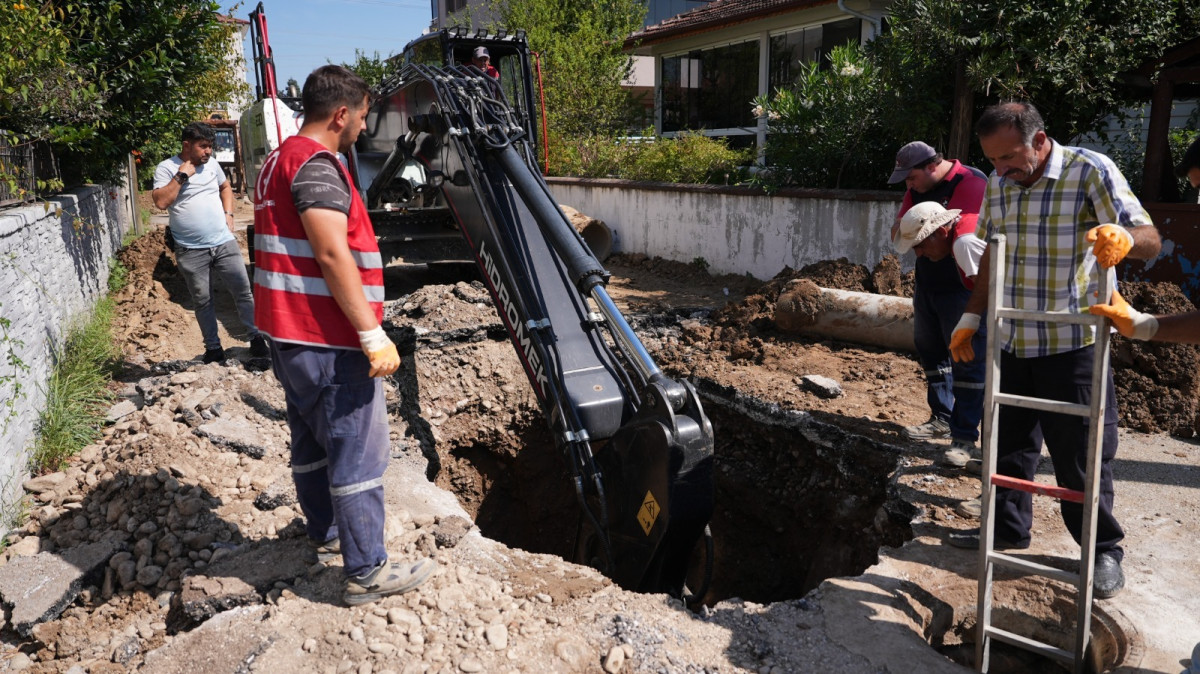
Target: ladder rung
column 1019, row 564
column 1060, row 493
column 1031, row 644
column 1046, row 316
column 1042, row 404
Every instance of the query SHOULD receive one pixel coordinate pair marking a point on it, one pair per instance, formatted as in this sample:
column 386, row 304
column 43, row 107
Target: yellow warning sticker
column 648, row 513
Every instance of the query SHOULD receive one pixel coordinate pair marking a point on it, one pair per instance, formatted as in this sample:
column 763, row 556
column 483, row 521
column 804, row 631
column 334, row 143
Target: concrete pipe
column 863, row 318
column 595, row 233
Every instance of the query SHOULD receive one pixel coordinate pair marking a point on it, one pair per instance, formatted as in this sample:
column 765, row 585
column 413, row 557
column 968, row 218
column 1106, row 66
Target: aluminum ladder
column 993, row 398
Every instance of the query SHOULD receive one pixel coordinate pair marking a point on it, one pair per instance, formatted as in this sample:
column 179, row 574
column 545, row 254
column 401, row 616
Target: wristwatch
column 181, row 178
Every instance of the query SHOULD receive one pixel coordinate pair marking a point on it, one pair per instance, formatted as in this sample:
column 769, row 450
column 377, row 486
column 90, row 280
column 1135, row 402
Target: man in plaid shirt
column 1067, row 213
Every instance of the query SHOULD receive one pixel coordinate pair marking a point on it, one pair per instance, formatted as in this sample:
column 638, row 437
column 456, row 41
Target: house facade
column 712, row 61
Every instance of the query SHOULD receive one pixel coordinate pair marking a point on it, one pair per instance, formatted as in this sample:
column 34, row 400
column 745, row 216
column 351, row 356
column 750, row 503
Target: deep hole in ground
column 797, row 501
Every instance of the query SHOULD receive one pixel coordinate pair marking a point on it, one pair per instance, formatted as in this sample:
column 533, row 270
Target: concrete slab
column 39, row 587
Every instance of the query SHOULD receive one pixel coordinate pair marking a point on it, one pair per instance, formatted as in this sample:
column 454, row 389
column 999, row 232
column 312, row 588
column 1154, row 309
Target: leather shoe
column 968, row 539
column 1108, row 579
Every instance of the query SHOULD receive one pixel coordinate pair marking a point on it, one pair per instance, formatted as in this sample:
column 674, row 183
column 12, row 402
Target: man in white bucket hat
column 955, row 393
column 936, row 234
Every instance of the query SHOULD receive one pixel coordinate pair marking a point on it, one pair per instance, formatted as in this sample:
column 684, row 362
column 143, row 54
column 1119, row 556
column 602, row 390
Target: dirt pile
column 1158, row 385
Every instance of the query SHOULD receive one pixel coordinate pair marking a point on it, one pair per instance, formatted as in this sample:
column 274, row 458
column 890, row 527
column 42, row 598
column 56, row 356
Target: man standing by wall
column 200, row 201
column 319, row 290
column 955, row 390
column 1050, row 201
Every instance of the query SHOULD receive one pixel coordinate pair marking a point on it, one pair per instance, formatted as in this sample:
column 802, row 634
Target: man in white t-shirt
column 200, row 202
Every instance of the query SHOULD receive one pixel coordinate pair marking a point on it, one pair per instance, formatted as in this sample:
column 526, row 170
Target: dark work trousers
column 1066, row 377
column 338, row 418
column 954, row 390
column 199, row 267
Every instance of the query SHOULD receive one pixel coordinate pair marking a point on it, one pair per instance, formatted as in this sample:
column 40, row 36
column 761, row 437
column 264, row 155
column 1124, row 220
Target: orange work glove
column 960, row 340
column 1129, row 321
column 1113, row 243
column 380, row 350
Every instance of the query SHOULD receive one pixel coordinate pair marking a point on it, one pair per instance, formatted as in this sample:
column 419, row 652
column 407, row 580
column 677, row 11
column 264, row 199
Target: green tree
column 373, row 69
column 583, row 64
column 831, row 127
column 98, row 78
column 1068, row 57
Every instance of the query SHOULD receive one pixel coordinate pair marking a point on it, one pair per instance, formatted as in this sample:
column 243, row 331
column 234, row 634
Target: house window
column 807, row 45
column 710, row 88
column 455, row 5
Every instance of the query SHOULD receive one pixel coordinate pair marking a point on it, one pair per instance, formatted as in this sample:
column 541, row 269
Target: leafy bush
column 687, row 158
column 830, row 128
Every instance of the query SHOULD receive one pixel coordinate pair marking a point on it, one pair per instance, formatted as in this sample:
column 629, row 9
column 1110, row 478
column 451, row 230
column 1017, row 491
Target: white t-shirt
column 197, row 215
column 968, row 250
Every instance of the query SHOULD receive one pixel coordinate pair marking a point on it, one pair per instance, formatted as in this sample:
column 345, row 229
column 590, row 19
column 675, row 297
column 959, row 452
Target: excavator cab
column 509, row 54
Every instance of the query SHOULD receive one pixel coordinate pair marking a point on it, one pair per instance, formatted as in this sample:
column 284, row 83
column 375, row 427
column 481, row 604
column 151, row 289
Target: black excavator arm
column 637, row 442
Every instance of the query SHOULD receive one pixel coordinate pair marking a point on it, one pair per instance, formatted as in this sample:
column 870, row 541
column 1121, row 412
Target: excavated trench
column 798, row 500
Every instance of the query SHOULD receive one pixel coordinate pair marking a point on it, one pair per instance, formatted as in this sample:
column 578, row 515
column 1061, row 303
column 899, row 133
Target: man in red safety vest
column 318, row 286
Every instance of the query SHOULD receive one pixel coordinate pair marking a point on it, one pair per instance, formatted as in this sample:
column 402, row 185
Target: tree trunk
column 960, row 116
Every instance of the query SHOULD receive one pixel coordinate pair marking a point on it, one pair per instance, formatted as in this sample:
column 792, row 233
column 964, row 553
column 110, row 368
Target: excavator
column 449, row 148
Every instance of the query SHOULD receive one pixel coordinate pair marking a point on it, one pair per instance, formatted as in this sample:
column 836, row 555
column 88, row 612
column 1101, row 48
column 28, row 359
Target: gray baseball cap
column 908, row 157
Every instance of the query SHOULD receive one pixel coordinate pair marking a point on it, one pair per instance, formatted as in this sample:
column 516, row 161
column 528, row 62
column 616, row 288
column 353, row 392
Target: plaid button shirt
column 1049, row 265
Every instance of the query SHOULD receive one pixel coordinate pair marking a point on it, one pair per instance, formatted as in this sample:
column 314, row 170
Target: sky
column 307, row 34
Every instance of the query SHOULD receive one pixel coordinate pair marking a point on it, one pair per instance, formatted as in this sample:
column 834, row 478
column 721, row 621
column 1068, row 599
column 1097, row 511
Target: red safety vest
column 292, row 302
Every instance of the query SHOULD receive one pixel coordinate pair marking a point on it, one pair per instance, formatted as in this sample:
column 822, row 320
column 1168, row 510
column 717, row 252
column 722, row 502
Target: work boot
column 930, row 430
column 259, row 348
column 325, row 552
column 214, row 355
column 960, row 453
column 969, row 509
column 1108, row 578
column 387, row 579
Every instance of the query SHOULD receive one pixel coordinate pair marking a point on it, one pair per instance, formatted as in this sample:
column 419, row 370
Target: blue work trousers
column 338, row 418
column 955, row 390
column 1066, row 377
column 199, row 267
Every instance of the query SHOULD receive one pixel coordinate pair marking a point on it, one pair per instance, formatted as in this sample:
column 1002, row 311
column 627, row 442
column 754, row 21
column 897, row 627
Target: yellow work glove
column 1129, row 321
column 380, row 350
column 1113, row 243
column 960, row 340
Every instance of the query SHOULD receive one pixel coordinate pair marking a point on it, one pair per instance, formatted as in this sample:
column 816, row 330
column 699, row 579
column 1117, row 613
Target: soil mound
column 1158, row 384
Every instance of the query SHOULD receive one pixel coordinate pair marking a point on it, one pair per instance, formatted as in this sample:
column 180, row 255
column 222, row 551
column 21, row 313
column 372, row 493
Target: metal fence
column 22, row 165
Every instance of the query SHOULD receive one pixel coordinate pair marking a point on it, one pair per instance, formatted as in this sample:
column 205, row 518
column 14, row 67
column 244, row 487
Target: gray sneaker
column 969, row 509
column 930, row 430
column 326, row 552
column 961, row 452
column 387, row 579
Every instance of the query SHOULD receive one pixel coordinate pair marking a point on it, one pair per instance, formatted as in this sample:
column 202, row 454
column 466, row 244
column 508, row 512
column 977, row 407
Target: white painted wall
column 738, row 230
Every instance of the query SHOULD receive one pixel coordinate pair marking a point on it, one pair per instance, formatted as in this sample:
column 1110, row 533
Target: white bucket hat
column 919, row 222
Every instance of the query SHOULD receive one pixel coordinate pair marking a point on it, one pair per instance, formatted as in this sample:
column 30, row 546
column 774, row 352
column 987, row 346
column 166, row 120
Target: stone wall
column 738, row 230
column 54, row 264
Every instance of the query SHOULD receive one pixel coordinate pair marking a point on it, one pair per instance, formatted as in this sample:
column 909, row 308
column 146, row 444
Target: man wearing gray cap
column 480, row 58
column 955, row 390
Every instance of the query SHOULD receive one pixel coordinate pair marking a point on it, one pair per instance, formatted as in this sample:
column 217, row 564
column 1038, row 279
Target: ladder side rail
column 1091, row 503
column 988, row 441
